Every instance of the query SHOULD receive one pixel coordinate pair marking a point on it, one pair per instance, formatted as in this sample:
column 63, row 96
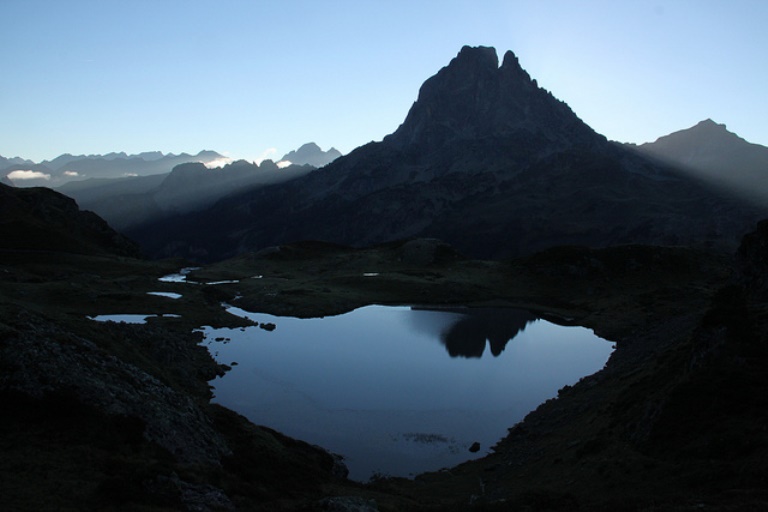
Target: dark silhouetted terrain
column 126, row 202
column 485, row 160
column 41, row 219
column 311, row 154
column 103, row 416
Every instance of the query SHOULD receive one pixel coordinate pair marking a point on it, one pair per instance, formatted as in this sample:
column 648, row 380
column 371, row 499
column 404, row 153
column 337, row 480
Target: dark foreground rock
column 41, row 358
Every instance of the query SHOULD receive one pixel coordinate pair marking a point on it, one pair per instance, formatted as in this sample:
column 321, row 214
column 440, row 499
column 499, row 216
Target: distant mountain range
column 67, row 168
column 486, row 160
column 134, row 189
column 310, row 154
column 710, row 152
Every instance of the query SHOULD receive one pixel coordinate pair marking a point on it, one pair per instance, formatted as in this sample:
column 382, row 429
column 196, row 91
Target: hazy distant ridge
column 66, row 168
column 710, row 152
column 311, row 154
column 125, row 202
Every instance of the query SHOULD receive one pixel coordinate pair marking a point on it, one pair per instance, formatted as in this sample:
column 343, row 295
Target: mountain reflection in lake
column 464, row 331
column 377, row 386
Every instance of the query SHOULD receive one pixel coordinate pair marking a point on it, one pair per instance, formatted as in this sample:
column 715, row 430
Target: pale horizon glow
column 93, row 77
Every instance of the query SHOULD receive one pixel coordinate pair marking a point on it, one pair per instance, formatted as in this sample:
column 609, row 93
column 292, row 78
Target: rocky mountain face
column 474, row 99
column 310, row 154
column 712, row 153
column 41, row 219
column 486, row 160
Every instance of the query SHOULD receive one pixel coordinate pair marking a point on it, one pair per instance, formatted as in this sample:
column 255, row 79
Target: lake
column 399, row 390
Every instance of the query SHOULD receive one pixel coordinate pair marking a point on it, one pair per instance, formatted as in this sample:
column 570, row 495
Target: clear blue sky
column 256, row 78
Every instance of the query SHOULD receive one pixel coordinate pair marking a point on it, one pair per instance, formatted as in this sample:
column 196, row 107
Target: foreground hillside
column 116, row 416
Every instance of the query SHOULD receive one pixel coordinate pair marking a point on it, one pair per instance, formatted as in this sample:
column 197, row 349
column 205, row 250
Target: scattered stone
column 475, row 447
column 348, row 504
column 268, row 326
column 194, row 497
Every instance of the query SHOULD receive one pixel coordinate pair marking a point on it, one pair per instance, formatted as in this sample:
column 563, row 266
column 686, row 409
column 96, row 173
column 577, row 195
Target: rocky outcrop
column 39, row 359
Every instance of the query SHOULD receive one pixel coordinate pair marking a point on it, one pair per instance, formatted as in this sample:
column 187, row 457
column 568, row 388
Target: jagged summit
column 472, row 97
column 311, row 154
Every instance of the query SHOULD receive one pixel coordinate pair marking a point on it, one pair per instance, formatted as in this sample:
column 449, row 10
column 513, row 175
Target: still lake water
column 398, row 390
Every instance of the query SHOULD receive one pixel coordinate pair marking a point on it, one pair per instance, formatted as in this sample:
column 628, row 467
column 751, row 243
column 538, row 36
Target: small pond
column 399, row 390
column 130, row 318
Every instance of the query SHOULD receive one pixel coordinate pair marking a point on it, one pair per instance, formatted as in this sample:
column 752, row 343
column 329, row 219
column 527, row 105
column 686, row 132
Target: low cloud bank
column 28, row 175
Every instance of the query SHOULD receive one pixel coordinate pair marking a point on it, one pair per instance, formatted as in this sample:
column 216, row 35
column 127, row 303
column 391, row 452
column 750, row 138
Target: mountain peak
column 472, row 97
column 710, row 152
column 709, row 124
column 310, row 153
column 696, row 138
column 482, row 56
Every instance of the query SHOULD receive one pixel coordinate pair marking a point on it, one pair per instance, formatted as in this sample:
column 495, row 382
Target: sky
column 256, row 79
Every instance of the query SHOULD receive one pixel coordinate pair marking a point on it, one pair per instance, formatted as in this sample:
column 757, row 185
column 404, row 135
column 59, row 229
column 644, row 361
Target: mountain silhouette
column 311, row 154
column 474, row 99
column 69, row 168
column 40, row 219
column 125, row 202
column 477, row 327
column 712, row 153
column 487, row 161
